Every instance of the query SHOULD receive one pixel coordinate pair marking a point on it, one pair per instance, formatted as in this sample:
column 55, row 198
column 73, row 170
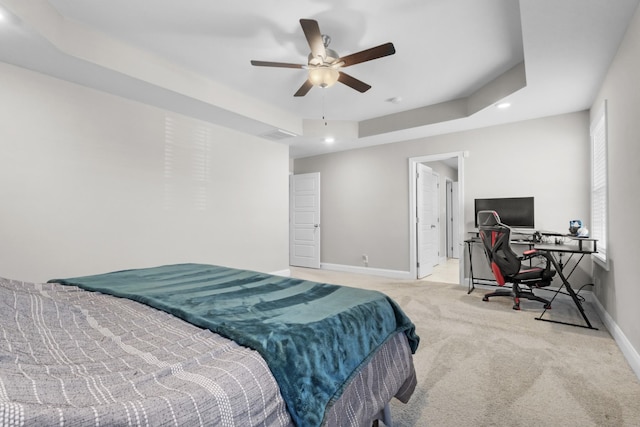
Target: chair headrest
column 488, row 218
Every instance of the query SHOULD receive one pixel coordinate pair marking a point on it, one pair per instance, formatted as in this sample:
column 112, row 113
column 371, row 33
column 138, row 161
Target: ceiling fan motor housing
column 331, row 56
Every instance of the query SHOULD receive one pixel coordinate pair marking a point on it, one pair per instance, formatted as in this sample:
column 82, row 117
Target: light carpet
column 484, row 364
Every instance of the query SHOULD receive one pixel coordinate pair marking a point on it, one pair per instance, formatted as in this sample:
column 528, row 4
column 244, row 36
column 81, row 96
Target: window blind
column 599, row 192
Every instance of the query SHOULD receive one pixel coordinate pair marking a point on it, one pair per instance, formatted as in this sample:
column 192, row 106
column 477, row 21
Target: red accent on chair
column 497, row 274
column 507, row 266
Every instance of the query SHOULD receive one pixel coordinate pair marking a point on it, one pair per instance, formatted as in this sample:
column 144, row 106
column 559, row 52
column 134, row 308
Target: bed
column 194, row 344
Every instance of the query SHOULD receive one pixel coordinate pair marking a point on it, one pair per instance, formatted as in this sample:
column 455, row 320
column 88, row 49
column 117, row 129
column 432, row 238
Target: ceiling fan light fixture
column 324, row 65
column 323, row 76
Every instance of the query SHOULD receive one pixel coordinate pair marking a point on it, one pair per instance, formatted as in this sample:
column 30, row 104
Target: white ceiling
column 192, row 56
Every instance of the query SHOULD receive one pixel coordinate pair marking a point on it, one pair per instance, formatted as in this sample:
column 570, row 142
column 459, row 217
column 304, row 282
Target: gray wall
column 617, row 289
column 91, row 182
column 364, row 206
column 365, row 198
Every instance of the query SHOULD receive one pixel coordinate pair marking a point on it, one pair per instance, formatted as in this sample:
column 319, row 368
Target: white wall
column 365, row 198
column 617, row 289
column 91, row 182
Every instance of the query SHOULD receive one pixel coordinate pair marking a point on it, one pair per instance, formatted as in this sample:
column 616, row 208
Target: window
column 599, row 192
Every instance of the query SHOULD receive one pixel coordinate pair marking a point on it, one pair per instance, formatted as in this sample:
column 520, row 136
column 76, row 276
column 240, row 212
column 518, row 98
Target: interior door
column 426, row 220
column 453, row 242
column 455, row 223
column 304, row 220
column 434, row 254
column 449, row 220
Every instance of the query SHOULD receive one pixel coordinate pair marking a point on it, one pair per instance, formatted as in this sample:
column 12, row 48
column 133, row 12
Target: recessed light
column 394, row 100
column 329, row 140
column 503, row 105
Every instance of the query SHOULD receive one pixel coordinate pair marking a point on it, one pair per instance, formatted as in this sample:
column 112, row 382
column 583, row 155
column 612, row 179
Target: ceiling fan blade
column 352, row 82
column 314, row 37
column 367, row 55
column 304, row 89
column 276, row 64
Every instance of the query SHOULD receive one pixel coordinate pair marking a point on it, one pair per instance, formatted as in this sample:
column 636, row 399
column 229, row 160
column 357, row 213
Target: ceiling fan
column 324, row 65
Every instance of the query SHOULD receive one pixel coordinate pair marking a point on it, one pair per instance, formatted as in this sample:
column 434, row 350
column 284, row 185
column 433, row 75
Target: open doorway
column 449, row 240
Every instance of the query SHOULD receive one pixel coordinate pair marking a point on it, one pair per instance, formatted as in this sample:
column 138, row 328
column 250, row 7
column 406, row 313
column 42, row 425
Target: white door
column 449, row 220
column 455, row 214
column 434, row 255
column 427, row 231
column 453, row 243
column 304, row 220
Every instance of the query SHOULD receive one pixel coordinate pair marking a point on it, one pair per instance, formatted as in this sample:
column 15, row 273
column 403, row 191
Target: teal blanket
column 313, row 336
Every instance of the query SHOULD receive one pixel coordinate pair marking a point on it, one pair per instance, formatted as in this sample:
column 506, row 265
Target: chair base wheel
column 516, row 306
column 485, row 298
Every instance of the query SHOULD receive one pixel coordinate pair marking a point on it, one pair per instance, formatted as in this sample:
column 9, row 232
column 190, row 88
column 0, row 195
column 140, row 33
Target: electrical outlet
column 365, row 259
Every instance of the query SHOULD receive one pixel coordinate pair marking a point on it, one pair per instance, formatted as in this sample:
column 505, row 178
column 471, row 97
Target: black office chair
column 507, row 266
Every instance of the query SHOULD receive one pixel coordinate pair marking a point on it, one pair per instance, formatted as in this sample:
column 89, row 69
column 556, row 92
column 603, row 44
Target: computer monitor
column 513, row 211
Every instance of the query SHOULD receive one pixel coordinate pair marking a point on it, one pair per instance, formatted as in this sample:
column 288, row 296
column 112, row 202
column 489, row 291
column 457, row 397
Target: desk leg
column 472, row 284
column 574, row 297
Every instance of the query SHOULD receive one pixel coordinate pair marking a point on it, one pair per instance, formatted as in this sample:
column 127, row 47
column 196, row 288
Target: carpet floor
column 484, row 364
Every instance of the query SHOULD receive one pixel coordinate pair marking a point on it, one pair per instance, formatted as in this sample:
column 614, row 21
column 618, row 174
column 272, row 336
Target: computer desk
column 583, row 246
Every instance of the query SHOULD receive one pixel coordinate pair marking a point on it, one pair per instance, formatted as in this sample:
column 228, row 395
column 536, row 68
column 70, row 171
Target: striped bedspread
column 315, row 337
column 72, row 357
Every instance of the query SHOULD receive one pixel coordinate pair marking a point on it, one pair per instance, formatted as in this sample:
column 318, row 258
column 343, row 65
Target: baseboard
column 392, row 274
column 285, row 273
column 630, row 353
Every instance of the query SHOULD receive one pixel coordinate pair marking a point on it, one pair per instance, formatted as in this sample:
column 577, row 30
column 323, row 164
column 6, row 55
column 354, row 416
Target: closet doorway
column 450, row 168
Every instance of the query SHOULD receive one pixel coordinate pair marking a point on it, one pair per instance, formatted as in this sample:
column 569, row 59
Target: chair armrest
column 533, row 253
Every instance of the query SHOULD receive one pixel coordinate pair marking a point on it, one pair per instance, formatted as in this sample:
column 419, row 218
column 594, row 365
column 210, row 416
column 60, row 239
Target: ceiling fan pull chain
column 323, row 115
